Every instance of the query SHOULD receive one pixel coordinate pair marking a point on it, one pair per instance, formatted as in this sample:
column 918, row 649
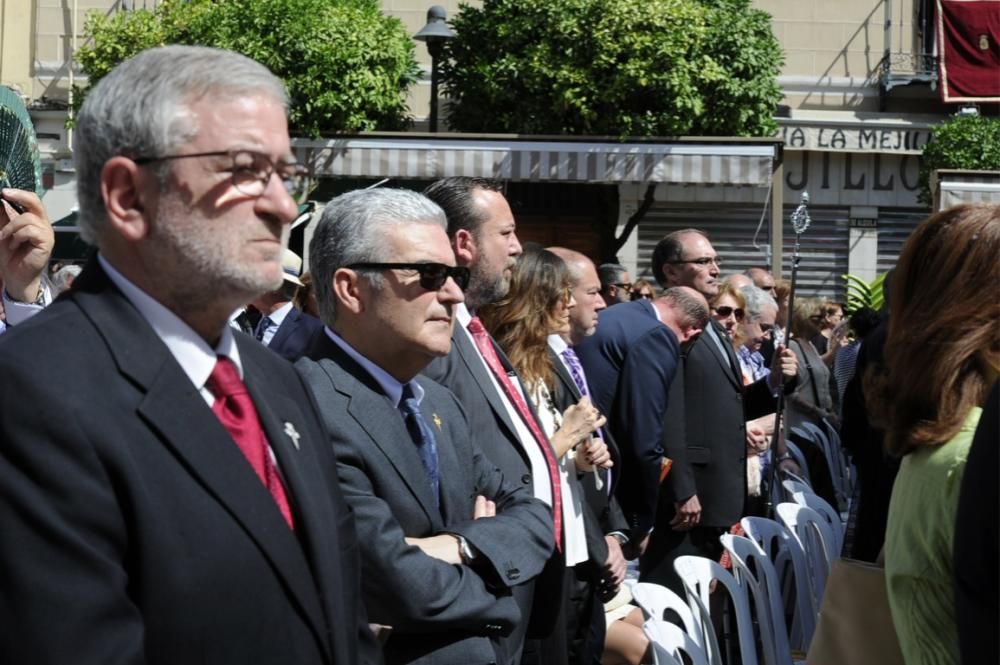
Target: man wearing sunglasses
column 175, row 501
column 704, row 430
column 483, row 237
column 443, row 535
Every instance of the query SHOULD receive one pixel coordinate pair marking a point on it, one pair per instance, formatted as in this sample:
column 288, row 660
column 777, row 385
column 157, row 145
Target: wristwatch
column 465, row 551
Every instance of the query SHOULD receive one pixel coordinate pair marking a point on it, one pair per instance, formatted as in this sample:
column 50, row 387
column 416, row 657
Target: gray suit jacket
column 440, row 613
column 462, row 372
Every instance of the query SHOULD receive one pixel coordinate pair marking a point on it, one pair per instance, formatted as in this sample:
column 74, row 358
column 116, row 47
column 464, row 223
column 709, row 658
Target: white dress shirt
column 542, row 487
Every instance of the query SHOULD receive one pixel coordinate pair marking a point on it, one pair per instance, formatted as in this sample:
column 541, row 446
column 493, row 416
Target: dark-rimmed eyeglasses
column 432, row 275
column 627, row 286
column 703, row 262
column 640, row 295
column 251, row 171
column 725, row 311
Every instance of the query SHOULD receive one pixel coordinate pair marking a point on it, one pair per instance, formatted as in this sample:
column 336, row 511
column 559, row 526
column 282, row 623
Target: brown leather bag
column 855, row 626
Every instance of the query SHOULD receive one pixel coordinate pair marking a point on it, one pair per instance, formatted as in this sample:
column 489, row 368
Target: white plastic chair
column 816, row 538
column 697, row 573
column 799, row 459
column 669, row 641
column 834, row 457
column 832, row 517
column 794, row 486
column 655, row 600
column 787, row 556
column 762, row 581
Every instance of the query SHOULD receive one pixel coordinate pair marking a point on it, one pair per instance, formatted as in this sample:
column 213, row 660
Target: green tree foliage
column 613, row 67
column 346, row 66
column 963, row 142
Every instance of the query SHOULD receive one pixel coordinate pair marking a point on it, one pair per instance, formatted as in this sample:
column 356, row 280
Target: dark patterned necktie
column 423, row 439
column 262, row 326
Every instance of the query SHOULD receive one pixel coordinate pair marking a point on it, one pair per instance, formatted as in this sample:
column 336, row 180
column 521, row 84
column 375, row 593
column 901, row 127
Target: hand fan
column 20, row 165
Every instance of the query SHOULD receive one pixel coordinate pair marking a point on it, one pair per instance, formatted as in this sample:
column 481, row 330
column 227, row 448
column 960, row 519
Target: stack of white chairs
column 789, row 561
column 817, row 539
column 699, row 575
column 829, row 442
column 833, row 518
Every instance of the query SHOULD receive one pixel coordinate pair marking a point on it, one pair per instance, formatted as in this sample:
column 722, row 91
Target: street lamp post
column 435, row 33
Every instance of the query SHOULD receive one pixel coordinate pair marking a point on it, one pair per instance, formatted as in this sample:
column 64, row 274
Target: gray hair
column 64, row 278
column 756, row 300
column 692, row 307
column 141, row 109
column 610, row 273
column 352, row 230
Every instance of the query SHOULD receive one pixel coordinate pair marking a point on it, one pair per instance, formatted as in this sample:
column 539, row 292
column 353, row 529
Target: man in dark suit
column 631, row 361
column 437, row 568
column 599, row 579
column 482, row 231
column 282, row 327
column 704, row 493
column 175, row 500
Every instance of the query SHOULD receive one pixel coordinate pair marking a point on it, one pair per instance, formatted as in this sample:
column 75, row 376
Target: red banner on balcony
column 968, row 38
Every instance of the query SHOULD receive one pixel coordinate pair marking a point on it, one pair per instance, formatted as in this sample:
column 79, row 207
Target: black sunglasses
column 432, row 275
column 726, row 310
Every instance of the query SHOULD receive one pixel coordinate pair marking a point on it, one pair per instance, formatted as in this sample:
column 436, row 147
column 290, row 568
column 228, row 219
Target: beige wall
column 834, row 48
column 15, row 44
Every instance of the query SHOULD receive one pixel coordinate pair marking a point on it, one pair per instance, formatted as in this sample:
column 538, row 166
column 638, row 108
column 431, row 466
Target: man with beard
column 437, row 560
column 481, row 228
column 175, row 501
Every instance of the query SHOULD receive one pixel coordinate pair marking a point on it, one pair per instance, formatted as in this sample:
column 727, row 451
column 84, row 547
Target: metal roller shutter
column 893, row 230
column 824, row 245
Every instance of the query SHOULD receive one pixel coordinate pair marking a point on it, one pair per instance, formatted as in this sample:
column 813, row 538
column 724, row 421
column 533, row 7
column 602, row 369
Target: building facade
column 860, row 102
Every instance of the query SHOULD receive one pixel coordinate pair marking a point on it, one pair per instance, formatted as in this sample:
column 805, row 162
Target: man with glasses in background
column 704, row 427
column 762, row 278
column 176, row 500
column 616, row 285
column 443, row 535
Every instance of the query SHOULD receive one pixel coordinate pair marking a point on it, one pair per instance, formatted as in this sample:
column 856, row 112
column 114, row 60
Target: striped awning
column 519, row 160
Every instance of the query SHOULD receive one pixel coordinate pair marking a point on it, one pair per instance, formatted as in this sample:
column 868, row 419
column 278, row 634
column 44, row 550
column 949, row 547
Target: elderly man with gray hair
column 176, row 500
column 443, row 535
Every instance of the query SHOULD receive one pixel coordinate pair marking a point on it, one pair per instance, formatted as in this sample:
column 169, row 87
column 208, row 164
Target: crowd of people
column 475, row 436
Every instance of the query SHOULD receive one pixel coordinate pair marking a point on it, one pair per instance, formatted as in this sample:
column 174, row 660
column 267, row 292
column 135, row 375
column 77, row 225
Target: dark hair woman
column 942, row 356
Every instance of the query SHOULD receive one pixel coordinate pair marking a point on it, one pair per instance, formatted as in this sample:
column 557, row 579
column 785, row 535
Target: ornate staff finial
column 800, row 218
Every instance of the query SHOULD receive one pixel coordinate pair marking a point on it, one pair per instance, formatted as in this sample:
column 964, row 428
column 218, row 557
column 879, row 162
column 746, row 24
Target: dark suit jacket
column 440, row 613
column 605, row 515
column 706, row 431
column 134, row 530
column 296, row 334
column 462, row 371
column 630, row 363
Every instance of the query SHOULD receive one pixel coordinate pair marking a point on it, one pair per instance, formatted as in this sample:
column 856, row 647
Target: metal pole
column 800, row 222
column 435, row 51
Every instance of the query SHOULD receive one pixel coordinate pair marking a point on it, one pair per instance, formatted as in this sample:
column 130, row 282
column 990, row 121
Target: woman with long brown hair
column 942, row 357
column 537, row 305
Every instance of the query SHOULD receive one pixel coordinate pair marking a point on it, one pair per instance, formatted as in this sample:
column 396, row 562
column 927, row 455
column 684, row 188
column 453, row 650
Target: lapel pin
column 437, row 420
column 293, row 434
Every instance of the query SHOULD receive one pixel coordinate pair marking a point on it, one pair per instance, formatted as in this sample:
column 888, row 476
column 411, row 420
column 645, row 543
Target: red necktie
column 485, row 346
column 236, row 412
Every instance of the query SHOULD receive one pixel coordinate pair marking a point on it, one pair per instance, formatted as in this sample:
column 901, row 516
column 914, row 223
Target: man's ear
column 463, row 243
column 669, row 273
column 122, row 189
column 348, row 291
